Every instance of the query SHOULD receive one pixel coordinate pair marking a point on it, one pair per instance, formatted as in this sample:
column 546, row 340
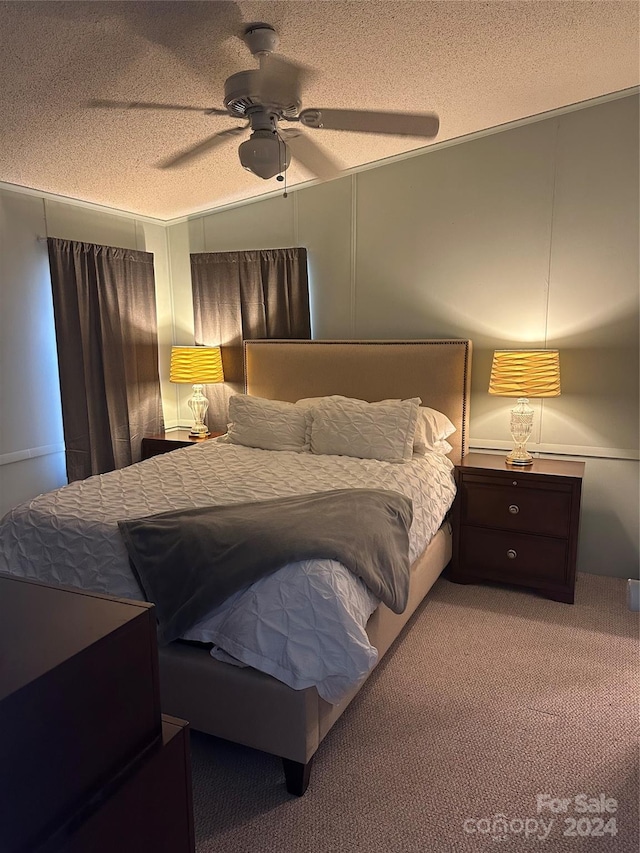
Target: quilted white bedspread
column 305, row 624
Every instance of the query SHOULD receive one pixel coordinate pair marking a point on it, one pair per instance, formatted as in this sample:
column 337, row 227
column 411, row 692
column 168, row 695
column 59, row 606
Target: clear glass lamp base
column 521, row 426
column 519, row 456
column 198, row 404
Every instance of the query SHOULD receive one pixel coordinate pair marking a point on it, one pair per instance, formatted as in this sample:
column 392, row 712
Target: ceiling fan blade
column 311, row 155
column 280, row 80
column 144, row 105
column 207, row 144
column 363, row 121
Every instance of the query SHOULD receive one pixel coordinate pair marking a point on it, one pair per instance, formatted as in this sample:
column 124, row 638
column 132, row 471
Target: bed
column 240, row 702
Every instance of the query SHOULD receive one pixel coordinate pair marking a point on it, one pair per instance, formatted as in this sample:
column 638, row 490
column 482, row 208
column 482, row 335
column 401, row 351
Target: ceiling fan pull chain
column 285, row 194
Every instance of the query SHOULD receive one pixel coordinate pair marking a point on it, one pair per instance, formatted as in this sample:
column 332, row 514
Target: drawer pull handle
column 514, row 509
column 515, row 483
column 511, row 554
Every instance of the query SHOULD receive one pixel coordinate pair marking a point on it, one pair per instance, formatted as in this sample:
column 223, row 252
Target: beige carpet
column 491, row 697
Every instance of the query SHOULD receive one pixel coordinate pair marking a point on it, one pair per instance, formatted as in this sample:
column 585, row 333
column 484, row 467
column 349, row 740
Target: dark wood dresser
column 517, row 525
column 80, row 726
column 151, row 812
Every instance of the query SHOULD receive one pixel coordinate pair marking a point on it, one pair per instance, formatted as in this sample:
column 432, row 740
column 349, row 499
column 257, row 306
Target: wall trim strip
column 31, row 453
column 78, row 202
column 474, row 444
column 580, row 105
column 587, row 451
column 416, row 152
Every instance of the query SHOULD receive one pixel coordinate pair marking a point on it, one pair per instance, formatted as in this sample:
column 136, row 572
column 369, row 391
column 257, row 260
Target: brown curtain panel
column 240, row 296
column 106, row 331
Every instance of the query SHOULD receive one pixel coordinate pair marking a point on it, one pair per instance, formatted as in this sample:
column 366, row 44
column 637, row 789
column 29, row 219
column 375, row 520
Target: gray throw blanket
column 189, row 561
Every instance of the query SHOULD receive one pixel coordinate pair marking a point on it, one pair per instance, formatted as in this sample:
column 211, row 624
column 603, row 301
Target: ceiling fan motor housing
column 241, row 92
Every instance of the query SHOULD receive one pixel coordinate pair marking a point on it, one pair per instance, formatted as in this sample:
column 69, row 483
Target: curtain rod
column 41, row 239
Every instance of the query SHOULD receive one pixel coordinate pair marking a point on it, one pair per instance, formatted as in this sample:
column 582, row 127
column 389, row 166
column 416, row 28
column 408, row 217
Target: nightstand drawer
column 546, row 511
column 514, row 557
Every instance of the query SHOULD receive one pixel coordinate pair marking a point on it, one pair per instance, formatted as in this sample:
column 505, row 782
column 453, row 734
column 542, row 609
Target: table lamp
column 524, row 373
column 198, row 366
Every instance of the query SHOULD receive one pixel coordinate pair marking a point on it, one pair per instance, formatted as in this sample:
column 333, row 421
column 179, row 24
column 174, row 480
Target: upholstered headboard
column 437, row 371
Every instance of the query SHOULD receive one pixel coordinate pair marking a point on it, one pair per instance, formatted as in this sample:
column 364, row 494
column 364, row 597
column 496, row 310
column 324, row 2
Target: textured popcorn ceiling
column 476, row 64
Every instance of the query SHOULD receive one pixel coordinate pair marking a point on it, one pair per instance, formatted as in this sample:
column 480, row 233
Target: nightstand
column 153, row 445
column 517, row 525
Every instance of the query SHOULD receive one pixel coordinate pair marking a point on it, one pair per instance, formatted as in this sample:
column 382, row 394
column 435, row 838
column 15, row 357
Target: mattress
column 305, row 624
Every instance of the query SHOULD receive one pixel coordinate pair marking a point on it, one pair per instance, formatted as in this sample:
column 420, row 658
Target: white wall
column 527, row 237
column 31, row 442
column 31, row 439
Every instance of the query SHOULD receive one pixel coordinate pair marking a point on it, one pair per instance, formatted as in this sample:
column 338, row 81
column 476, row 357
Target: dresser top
column 42, row 626
column 497, row 462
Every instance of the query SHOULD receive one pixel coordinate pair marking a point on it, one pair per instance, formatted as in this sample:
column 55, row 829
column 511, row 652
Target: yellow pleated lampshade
column 525, row 373
column 196, row 365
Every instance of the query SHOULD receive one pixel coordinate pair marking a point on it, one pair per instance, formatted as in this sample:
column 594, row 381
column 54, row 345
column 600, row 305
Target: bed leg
column 297, row 775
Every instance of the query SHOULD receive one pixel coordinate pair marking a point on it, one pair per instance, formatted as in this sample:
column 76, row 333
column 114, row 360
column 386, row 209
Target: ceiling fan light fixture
column 264, row 154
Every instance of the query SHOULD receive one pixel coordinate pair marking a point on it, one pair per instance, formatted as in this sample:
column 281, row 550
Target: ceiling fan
column 271, row 94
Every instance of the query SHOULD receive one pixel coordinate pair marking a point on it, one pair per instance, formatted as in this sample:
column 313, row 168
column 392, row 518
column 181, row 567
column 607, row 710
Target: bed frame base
column 297, row 775
column 252, row 708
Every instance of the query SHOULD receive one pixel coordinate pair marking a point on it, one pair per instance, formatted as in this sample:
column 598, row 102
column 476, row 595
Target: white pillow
column 267, row 424
column 308, row 402
column 345, row 427
column 442, row 447
column 432, row 428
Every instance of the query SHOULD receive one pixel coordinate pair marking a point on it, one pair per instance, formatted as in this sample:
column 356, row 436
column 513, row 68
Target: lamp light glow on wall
column 524, row 373
column 197, row 366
